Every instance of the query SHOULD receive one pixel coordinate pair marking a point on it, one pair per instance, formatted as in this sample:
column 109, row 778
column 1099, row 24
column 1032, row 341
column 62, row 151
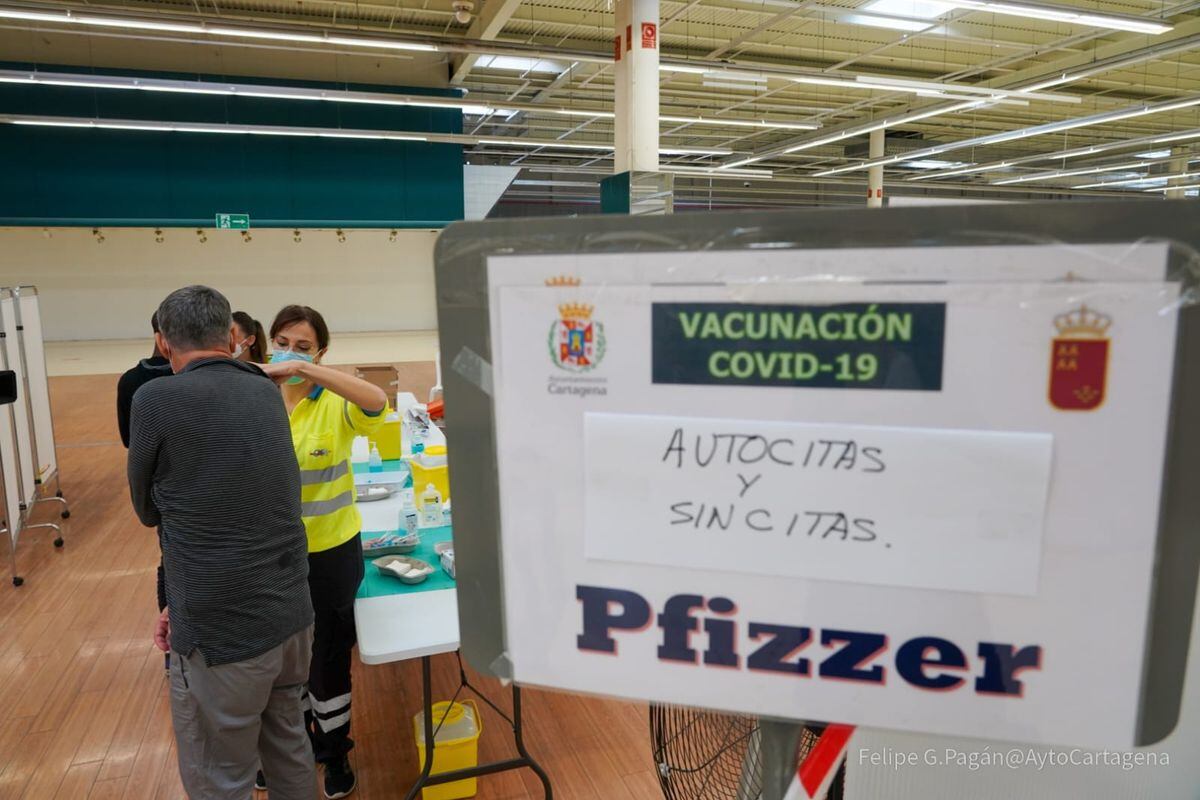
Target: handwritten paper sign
column 931, row 509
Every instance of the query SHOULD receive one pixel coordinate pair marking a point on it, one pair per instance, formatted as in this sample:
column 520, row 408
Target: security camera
column 746, row 183
column 462, row 10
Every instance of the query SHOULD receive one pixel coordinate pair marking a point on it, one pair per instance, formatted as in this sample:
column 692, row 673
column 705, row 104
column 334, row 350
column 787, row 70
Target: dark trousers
column 333, row 579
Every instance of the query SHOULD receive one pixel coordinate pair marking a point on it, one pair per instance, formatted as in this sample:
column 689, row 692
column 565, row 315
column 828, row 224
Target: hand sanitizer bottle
column 431, row 507
column 376, row 462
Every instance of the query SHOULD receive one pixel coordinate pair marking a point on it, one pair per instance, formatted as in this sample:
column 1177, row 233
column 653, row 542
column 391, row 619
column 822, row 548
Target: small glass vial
column 376, row 460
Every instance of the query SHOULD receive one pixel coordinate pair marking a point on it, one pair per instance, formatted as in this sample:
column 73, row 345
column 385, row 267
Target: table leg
column 519, row 737
column 524, row 761
column 427, row 704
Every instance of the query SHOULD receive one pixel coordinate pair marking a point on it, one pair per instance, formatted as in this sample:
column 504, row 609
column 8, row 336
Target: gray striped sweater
column 211, row 461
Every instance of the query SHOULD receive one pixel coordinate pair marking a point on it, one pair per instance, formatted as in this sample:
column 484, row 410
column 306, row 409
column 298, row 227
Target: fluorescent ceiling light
column 744, row 123
column 931, row 163
column 732, row 166
column 581, row 184
column 564, row 145
column 1154, row 154
column 744, row 87
column 695, row 151
column 716, row 172
column 540, row 143
column 1007, row 136
column 718, row 121
column 1068, row 173
column 517, row 64
column 70, row 17
column 848, row 82
column 1076, row 152
column 959, row 88
column 200, row 127
column 583, row 112
column 239, row 90
column 1169, row 188
column 919, row 9
column 871, row 83
column 1069, row 14
column 721, row 74
column 893, row 23
column 1133, row 183
column 682, row 68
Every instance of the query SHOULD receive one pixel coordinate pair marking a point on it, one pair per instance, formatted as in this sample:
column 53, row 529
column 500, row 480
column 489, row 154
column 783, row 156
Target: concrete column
column 1179, row 165
column 875, row 174
column 635, row 46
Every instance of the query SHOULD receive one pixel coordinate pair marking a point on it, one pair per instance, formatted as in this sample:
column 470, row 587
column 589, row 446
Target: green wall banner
column 89, row 176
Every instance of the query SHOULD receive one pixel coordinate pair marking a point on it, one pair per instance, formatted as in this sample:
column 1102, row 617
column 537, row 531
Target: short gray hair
column 195, row 318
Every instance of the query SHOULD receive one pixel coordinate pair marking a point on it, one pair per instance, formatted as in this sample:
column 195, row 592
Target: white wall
column 94, row 290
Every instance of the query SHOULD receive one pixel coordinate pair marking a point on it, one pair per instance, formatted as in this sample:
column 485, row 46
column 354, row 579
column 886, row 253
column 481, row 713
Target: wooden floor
column 83, row 701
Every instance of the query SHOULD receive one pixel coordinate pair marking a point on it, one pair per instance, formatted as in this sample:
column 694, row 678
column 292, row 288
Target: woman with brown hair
column 252, row 340
column 327, row 408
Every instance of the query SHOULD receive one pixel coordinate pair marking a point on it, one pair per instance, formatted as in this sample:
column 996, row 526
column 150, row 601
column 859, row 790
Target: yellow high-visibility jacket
column 323, row 429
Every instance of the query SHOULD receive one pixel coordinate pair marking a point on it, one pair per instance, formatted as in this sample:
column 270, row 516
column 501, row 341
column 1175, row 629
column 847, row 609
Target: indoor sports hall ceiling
column 764, row 102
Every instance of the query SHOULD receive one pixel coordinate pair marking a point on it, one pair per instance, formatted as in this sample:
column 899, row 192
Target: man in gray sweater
column 211, row 461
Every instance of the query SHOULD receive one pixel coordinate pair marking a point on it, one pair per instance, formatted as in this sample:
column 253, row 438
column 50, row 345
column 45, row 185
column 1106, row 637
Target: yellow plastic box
column 387, row 439
column 457, row 747
column 424, row 472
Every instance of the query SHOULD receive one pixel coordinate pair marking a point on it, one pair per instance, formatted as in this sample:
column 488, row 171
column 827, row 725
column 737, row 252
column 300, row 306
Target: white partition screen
column 24, row 438
column 8, row 466
column 37, row 382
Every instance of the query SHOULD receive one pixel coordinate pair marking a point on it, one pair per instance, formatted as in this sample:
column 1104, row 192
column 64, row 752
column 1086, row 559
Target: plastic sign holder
column 645, row 408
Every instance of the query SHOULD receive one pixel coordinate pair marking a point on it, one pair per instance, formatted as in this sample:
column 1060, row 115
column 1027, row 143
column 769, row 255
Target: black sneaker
column 260, row 781
column 339, row 779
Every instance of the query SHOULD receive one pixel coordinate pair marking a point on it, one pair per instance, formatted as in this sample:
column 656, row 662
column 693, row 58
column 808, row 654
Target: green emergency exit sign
column 233, row 222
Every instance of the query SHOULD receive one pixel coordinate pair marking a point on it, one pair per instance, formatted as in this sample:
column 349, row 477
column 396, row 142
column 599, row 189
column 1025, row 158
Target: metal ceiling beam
column 485, row 27
column 1185, row 35
column 1128, row 50
column 762, row 26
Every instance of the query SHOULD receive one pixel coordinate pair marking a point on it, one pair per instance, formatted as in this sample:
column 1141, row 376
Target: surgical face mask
column 238, row 350
column 279, row 356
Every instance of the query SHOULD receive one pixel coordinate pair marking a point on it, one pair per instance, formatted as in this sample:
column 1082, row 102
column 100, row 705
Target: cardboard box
column 383, row 376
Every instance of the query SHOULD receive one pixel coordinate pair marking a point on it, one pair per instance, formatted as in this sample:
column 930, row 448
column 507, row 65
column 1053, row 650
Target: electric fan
column 703, row 755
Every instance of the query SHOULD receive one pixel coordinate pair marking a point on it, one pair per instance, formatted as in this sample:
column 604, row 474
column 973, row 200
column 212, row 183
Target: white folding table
column 421, row 625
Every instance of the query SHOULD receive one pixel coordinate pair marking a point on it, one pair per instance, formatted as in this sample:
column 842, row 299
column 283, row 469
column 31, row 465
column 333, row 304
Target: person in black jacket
column 146, row 370
column 156, row 366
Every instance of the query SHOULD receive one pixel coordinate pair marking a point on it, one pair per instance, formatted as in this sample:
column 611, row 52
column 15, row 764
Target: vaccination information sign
column 728, row 482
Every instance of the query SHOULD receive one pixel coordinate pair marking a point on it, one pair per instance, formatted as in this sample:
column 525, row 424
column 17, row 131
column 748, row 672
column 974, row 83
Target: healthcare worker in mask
column 328, row 408
column 252, row 341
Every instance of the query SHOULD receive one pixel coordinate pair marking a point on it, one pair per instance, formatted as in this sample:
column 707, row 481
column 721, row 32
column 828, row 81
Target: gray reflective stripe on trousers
column 317, row 508
column 308, row 477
